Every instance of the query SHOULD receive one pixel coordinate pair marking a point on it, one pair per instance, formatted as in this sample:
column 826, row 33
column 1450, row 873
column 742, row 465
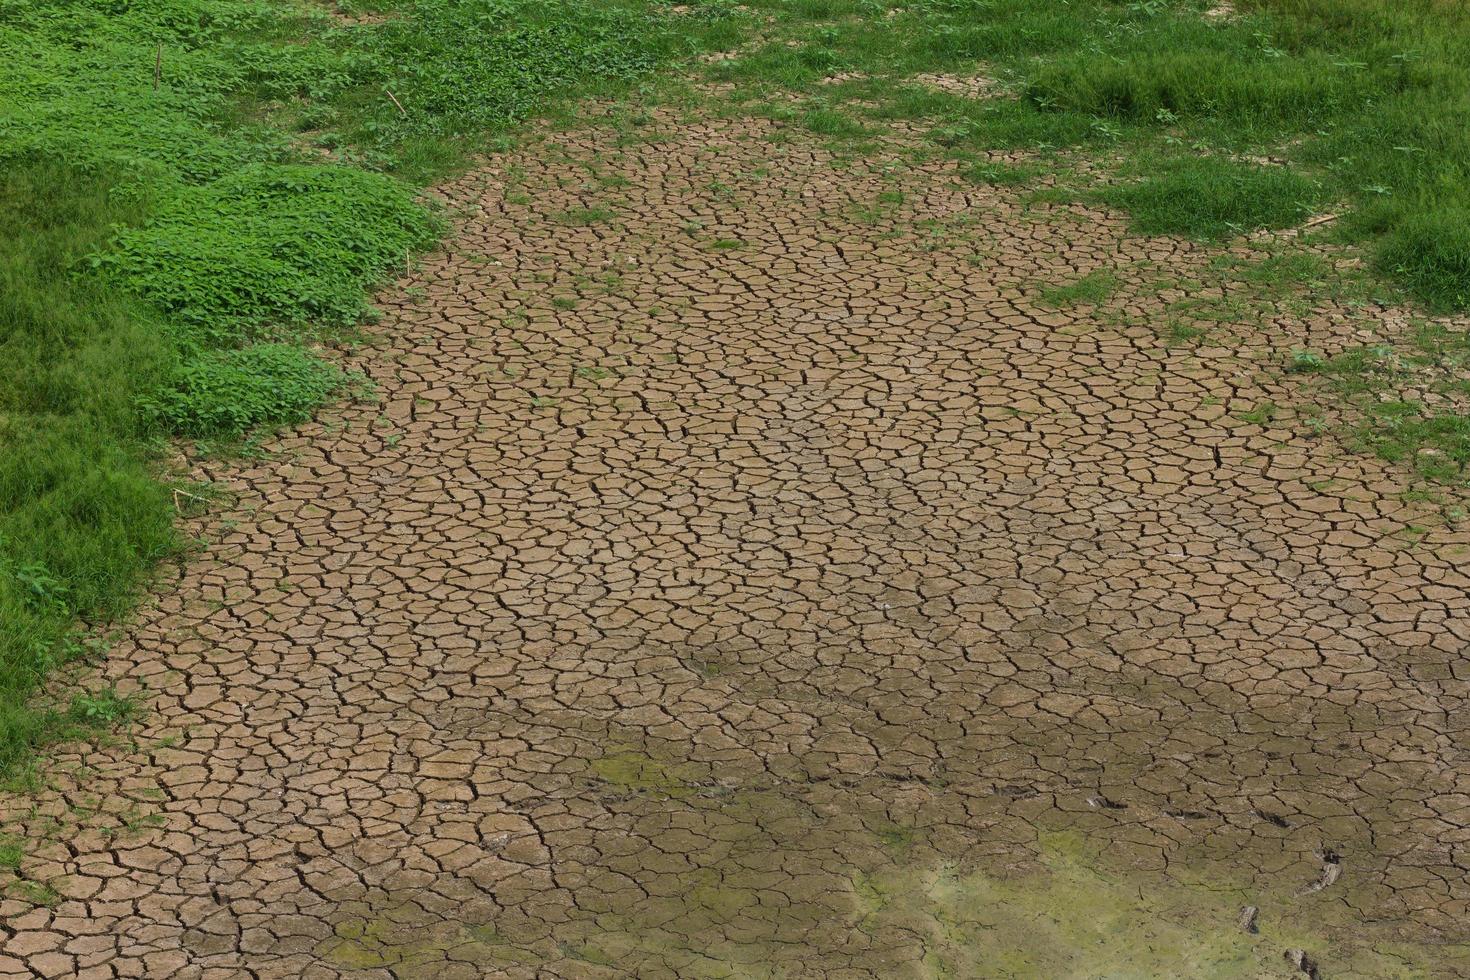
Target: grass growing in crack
column 1091, row 289
column 12, row 852
column 1262, row 414
column 584, row 217
column 1001, row 174
column 1410, row 399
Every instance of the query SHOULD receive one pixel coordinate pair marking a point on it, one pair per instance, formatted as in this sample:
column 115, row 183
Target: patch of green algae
column 762, row 903
column 379, row 943
column 634, row 771
column 1074, row 920
column 1071, row 918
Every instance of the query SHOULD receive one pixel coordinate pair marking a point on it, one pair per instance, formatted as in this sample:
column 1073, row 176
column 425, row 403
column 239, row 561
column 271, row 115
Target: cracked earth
column 740, row 577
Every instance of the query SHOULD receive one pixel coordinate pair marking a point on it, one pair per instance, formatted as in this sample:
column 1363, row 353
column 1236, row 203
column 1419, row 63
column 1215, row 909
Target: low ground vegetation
column 194, row 192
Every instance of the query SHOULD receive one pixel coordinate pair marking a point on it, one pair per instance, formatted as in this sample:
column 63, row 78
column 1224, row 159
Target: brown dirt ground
column 753, row 578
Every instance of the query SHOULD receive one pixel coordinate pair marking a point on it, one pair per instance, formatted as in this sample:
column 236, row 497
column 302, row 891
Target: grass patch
column 1000, row 174
column 1429, row 253
column 82, row 516
column 12, row 853
column 585, row 217
column 1091, row 289
column 1209, row 197
column 833, row 122
column 226, row 393
column 268, row 246
column 1366, row 98
column 1284, row 271
column 1436, row 446
column 1409, row 399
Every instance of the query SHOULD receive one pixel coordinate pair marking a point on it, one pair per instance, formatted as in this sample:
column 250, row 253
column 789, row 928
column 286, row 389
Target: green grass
column 1366, row 98
column 1402, row 394
column 171, row 244
column 1429, row 252
column 268, row 246
column 1209, row 197
column 82, row 516
column 12, row 853
column 1091, row 289
column 231, row 391
column 1434, row 445
column 833, row 122
column 1001, row 174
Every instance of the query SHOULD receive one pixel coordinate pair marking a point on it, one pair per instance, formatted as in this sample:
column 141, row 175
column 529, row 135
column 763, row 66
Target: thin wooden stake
column 158, row 67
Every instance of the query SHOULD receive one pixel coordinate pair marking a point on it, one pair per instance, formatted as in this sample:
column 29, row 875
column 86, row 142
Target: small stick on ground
column 158, row 67
column 401, row 111
column 192, row 496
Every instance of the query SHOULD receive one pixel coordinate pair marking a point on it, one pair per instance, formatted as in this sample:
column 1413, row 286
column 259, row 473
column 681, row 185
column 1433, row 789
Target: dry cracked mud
column 744, row 573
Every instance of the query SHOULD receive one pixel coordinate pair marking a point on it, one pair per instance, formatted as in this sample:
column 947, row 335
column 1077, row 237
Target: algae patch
column 633, row 771
column 1075, row 920
column 408, row 951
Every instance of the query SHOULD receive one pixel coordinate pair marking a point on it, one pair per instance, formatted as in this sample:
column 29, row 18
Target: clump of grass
column 1000, row 174
column 12, row 853
column 1429, row 252
column 1305, row 362
column 1261, row 414
column 1091, row 289
column 100, row 709
column 1179, row 331
column 833, row 122
column 229, row 392
column 268, row 245
column 1209, row 197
